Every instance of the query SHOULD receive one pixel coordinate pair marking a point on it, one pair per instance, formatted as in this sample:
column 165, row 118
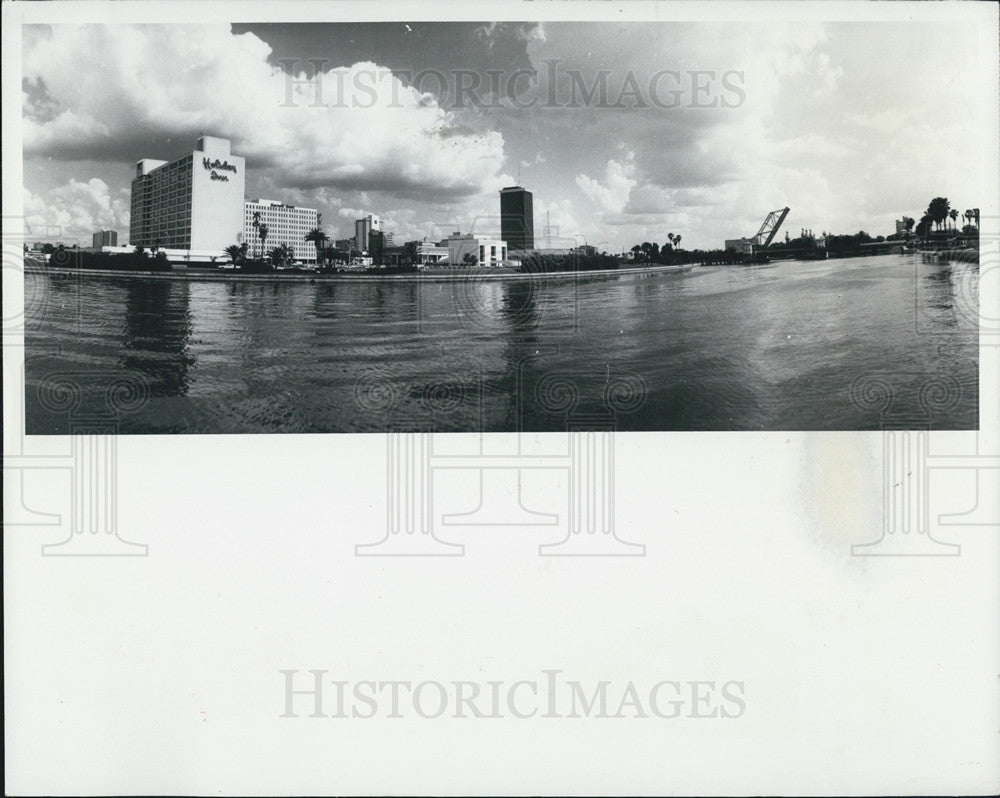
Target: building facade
column 105, row 238
column 430, row 254
column 486, row 251
column 376, row 245
column 742, row 245
column 517, row 218
column 286, row 224
column 362, row 227
column 192, row 203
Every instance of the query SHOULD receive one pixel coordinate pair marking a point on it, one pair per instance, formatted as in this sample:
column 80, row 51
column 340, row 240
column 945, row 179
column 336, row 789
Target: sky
column 624, row 132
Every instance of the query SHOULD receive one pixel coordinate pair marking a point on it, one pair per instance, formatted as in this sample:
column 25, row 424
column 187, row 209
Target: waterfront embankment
column 435, row 275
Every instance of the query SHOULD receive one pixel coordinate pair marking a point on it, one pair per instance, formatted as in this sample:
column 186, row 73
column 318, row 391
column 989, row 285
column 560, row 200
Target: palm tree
column 924, row 226
column 237, row 253
column 975, row 214
column 279, row 256
column 318, row 237
column 677, row 240
column 262, row 232
column 953, row 215
column 411, row 250
column 938, row 210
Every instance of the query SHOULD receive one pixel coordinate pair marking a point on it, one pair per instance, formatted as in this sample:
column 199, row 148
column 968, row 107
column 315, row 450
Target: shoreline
column 429, row 276
column 426, row 276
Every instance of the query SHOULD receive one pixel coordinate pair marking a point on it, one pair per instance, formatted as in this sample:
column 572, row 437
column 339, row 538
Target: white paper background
column 161, row 674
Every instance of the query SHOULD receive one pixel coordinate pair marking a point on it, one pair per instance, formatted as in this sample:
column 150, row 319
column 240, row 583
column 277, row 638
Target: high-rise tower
column 517, row 218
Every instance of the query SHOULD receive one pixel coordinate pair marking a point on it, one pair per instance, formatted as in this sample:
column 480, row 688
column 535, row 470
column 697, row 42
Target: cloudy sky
column 624, row 132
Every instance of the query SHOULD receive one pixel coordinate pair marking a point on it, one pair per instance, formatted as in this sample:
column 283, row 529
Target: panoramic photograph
column 502, row 226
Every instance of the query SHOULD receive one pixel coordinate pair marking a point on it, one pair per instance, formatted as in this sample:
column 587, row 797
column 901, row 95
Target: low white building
column 486, row 251
column 286, row 224
column 430, row 254
column 177, row 257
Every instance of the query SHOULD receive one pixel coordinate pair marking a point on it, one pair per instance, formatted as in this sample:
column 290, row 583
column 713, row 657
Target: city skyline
column 613, row 168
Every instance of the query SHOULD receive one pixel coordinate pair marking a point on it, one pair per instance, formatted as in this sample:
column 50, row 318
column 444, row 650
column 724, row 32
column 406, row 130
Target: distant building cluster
column 193, row 207
column 363, row 229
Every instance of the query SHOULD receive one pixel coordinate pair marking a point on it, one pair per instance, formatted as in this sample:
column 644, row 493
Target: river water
column 849, row 344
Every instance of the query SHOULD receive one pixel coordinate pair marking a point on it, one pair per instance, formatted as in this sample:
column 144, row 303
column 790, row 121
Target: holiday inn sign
column 208, row 163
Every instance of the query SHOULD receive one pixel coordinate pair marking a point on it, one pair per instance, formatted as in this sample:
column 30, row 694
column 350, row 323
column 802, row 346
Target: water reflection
column 947, row 296
column 775, row 347
column 155, row 333
column 522, row 352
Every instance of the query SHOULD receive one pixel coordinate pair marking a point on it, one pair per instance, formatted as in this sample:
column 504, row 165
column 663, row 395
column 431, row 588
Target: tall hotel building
column 194, row 203
column 286, row 224
column 517, row 218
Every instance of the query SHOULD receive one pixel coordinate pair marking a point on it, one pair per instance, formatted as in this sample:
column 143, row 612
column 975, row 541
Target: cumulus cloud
column 495, row 33
column 364, row 130
column 611, row 194
column 76, row 210
column 562, row 221
column 697, row 170
column 850, row 125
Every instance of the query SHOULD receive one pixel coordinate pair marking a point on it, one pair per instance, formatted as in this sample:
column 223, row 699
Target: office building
column 286, row 224
column 362, row 227
column 194, row 203
column 105, row 238
column 376, row 245
column 517, row 218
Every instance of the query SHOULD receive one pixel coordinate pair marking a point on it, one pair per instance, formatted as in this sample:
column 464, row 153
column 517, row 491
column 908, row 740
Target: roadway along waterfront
column 774, row 346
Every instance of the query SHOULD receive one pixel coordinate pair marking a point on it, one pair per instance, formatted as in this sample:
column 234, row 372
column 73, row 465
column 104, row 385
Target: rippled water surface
column 778, row 346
